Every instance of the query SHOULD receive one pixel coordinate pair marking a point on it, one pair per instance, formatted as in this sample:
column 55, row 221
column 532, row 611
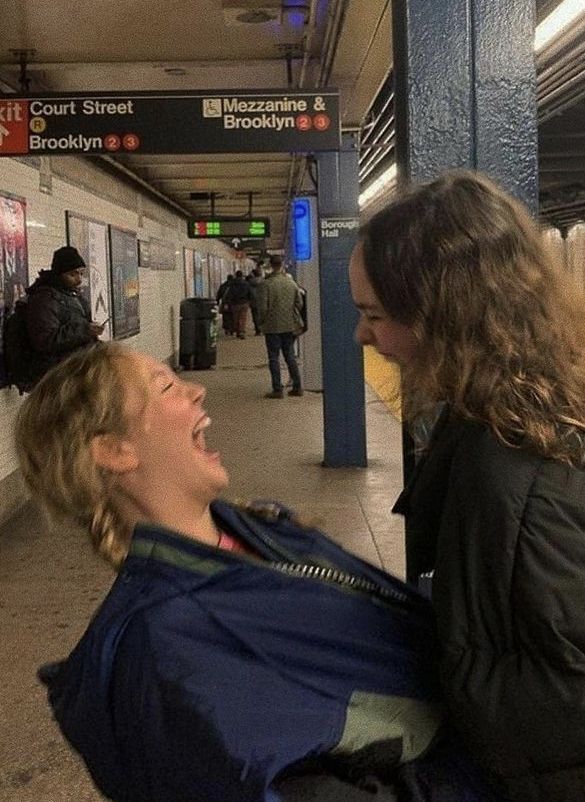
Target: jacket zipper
column 336, row 577
column 333, row 576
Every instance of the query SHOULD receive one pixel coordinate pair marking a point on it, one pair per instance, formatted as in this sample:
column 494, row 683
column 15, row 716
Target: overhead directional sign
column 246, row 245
column 228, row 228
column 170, row 122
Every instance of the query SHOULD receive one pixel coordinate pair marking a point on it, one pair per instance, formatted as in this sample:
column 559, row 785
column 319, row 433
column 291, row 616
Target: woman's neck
column 197, row 526
column 190, row 519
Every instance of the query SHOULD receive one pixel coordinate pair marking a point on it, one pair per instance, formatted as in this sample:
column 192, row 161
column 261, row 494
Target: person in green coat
column 279, row 313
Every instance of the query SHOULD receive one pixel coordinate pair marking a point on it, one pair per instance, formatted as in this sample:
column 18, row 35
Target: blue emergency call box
column 302, row 226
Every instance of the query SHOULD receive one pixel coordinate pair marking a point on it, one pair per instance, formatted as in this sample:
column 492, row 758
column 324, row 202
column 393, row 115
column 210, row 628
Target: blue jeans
column 275, row 343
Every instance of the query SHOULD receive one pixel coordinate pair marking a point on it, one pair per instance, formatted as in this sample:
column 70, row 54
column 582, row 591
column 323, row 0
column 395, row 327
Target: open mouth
column 197, row 435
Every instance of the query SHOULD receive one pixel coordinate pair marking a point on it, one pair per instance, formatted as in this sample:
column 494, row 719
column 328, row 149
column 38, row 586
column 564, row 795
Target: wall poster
column 199, row 259
column 124, row 281
column 215, row 263
column 205, row 266
column 189, row 265
column 143, row 253
column 90, row 237
column 162, row 255
column 13, row 258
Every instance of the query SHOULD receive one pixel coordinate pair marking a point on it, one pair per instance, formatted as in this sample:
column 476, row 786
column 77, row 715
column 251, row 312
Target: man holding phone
column 58, row 317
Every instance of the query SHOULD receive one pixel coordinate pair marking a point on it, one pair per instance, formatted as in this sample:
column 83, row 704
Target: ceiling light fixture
column 378, row 186
column 565, row 14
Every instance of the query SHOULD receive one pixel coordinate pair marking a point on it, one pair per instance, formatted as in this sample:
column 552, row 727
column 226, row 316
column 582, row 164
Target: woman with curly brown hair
column 454, row 282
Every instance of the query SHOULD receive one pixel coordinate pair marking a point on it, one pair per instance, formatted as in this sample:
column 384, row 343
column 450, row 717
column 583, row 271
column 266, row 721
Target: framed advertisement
column 205, row 265
column 13, row 258
column 162, row 255
column 124, row 282
column 199, row 259
column 90, row 237
column 189, row 265
column 213, row 281
column 143, row 253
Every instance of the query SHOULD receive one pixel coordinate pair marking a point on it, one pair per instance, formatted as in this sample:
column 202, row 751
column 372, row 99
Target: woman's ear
column 113, row 453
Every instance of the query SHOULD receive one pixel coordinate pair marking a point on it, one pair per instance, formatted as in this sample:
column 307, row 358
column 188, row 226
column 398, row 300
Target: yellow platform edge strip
column 383, row 377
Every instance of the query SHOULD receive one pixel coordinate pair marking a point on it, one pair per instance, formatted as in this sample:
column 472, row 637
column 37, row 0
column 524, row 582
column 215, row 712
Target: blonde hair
column 81, row 397
column 500, row 332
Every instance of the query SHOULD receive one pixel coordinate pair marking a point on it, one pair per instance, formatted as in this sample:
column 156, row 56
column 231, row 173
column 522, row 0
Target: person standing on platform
column 238, row 297
column 227, row 321
column 58, row 317
column 255, row 279
column 279, row 316
column 454, row 282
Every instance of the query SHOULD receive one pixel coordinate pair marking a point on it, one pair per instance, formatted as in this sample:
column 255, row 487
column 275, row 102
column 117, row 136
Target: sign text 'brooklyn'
column 170, row 122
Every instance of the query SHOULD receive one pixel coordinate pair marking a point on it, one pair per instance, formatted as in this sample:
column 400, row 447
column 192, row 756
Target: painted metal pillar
column 465, row 88
column 344, row 417
column 465, row 96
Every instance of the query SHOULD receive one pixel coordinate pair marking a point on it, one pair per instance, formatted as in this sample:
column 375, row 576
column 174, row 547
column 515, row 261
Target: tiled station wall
column 91, row 190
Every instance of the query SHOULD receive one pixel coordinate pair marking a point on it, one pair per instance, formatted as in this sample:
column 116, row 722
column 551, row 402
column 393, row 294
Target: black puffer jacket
column 238, row 292
column 504, row 531
column 58, row 321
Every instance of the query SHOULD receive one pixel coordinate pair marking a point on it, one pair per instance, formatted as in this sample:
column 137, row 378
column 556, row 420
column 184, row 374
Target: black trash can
column 198, row 333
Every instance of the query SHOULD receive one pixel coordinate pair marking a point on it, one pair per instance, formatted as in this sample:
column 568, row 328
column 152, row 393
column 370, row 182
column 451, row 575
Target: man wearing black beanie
column 58, row 317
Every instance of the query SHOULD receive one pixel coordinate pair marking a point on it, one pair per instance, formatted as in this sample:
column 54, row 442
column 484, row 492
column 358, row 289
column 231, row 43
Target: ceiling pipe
column 6, row 89
column 551, row 75
column 381, row 117
column 332, row 13
column 308, row 41
column 151, row 190
column 560, row 74
column 378, row 157
column 331, row 41
column 307, row 44
column 365, row 151
column 332, row 35
column 65, row 66
column 556, row 75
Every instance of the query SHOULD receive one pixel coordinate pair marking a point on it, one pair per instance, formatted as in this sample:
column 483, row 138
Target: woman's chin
column 222, row 476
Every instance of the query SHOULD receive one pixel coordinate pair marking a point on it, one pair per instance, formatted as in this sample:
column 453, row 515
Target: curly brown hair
column 500, row 328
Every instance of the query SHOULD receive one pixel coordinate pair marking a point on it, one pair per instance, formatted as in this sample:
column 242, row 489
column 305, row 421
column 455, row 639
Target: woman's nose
column 198, row 392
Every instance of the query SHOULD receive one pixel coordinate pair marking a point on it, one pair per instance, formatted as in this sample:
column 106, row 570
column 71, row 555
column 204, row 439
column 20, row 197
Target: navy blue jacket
column 206, row 675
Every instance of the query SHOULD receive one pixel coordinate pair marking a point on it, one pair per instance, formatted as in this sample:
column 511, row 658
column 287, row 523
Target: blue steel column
column 465, row 96
column 465, row 90
column 344, row 418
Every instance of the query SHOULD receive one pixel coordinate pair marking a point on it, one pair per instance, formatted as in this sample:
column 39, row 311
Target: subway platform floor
column 50, row 582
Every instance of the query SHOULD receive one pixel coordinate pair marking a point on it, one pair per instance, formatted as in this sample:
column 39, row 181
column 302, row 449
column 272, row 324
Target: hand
column 96, row 329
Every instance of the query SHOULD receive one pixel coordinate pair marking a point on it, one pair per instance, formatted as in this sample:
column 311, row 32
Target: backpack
column 18, row 354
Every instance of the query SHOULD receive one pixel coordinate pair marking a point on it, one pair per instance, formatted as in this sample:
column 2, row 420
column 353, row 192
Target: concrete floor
column 50, row 582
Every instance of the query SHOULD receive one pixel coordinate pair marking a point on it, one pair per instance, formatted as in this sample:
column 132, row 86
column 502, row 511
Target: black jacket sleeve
column 509, row 591
column 57, row 325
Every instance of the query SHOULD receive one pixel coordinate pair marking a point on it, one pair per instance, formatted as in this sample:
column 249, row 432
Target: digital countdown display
column 228, row 227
